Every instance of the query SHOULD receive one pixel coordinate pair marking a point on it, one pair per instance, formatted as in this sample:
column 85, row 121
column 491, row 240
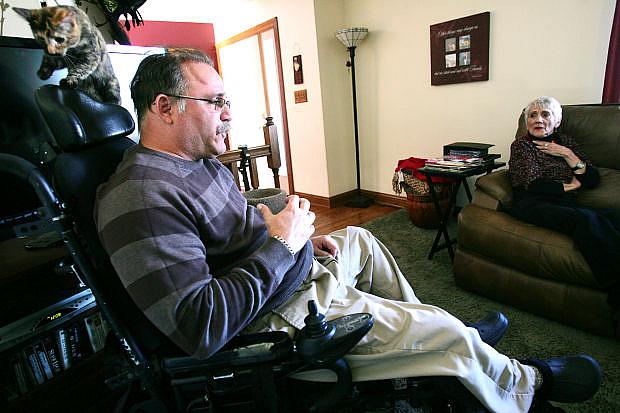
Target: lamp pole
column 357, row 149
column 350, row 38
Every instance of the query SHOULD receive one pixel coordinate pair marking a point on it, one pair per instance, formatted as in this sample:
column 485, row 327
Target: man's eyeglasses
column 218, row 102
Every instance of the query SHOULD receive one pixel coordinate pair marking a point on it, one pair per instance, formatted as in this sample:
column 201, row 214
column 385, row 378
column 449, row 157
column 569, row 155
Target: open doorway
column 251, row 66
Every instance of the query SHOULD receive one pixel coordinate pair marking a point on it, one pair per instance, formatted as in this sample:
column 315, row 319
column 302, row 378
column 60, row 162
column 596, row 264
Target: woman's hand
column 554, row 149
column 324, row 246
column 573, row 185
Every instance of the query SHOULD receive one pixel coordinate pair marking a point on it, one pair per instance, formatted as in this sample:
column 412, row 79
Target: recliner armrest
column 496, row 186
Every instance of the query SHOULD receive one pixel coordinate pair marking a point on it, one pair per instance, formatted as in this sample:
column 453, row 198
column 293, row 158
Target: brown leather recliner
column 533, row 268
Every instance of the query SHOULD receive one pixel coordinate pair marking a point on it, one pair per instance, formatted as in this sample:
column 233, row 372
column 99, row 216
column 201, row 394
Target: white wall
column 15, row 26
column 553, row 47
column 297, row 36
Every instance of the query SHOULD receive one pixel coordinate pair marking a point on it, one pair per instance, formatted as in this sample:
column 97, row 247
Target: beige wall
column 337, row 96
column 553, row 47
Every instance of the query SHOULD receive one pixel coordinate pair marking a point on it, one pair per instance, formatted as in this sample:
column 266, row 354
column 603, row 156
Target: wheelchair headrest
column 76, row 120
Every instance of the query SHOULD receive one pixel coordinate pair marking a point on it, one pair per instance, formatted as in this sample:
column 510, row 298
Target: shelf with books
column 74, row 390
column 51, row 331
column 45, row 319
column 51, row 352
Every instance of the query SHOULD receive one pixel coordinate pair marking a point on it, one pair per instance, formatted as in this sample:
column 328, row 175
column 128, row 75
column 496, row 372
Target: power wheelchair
column 253, row 372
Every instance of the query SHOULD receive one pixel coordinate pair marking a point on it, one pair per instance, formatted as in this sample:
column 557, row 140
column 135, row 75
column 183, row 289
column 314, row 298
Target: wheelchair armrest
column 243, row 350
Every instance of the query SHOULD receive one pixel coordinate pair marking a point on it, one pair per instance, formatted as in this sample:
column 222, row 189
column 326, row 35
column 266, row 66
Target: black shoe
column 569, row 379
column 491, row 328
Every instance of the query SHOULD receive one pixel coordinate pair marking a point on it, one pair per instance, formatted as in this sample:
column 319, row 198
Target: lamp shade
column 352, row 36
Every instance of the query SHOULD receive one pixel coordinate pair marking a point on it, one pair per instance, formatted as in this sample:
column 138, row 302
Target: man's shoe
column 491, row 328
column 569, row 379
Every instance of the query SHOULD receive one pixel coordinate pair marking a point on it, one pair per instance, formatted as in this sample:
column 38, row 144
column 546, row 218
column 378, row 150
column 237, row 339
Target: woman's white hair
column 546, row 103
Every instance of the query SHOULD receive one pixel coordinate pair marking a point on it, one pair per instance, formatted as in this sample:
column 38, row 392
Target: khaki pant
column 408, row 338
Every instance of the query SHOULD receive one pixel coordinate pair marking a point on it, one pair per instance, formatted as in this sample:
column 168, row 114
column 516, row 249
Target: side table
column 460, row 175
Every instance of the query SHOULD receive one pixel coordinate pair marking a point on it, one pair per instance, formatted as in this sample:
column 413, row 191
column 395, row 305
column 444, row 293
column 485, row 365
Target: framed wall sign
column 460, row 50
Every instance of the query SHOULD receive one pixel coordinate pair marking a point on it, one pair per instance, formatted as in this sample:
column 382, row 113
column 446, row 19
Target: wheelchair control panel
column 322, row 342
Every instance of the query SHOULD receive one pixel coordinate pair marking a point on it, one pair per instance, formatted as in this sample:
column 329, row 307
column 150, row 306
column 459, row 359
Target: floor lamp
column 351, row 37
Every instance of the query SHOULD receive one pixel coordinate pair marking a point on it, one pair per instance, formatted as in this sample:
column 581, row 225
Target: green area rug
column 528, row 335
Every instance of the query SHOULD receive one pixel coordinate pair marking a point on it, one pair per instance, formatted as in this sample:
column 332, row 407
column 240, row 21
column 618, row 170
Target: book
column 43, row 360
column 448, row 163
column 64, row 352
column 50, row 348
column 461, row 162
column 471, row 159
column 447, row 168
column 467, row 148
column 75, row 342
column 9, row 389
column 19, row 373
column 34, row 366
column 95, row 331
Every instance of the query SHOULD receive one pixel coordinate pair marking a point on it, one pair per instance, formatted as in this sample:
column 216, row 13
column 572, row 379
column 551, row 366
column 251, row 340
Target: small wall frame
column 298, row 70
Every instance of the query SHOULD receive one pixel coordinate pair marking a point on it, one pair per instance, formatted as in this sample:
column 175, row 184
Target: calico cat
column 71, row 40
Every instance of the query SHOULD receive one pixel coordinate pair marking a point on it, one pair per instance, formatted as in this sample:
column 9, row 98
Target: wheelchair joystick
column 316, row 326
column 323, row 342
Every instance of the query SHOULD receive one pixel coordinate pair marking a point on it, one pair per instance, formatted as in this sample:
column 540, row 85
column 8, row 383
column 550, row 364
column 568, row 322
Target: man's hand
column 294, row 223
column 324, row 246
column 573, row 185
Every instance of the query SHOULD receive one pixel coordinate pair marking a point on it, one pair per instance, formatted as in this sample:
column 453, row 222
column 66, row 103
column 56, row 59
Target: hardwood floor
column 331, row 219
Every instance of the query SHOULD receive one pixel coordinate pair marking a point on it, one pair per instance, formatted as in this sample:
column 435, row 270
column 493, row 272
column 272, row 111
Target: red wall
column 175, row 34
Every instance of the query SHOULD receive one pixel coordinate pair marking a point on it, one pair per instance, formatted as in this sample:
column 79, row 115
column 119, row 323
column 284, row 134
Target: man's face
column 204, row 125
column 541, row 122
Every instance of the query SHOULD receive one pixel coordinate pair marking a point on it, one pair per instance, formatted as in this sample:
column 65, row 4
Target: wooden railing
column 243, row 160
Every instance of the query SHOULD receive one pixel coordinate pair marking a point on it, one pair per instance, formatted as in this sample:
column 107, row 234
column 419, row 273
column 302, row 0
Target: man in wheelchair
column 204, row 266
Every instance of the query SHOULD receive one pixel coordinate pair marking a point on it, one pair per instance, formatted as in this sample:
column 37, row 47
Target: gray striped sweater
column 190, row 251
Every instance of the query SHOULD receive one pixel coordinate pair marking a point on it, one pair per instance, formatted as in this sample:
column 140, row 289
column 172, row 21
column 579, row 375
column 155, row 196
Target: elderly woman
column 547, row 169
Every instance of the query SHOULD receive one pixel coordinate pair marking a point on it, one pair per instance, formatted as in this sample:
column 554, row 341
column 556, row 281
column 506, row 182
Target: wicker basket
column 420, row 205
column 415, row 186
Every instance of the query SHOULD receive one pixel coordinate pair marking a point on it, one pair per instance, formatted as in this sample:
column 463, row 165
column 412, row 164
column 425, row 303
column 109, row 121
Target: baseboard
column 315, row 199
column 387, row 199
column 340, row 199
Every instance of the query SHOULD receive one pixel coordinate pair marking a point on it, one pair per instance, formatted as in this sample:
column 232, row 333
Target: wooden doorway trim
column 271, row 24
